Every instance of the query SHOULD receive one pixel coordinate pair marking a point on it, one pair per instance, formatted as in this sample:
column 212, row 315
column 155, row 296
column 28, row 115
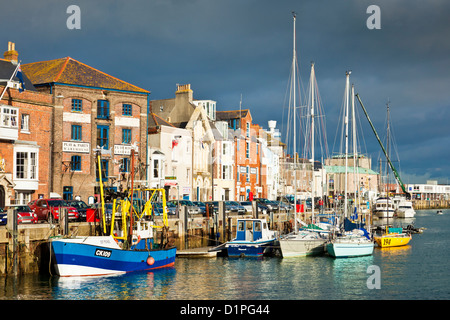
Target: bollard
column 255, row 209
column 64, row 221
column 11, row 225
column 222, row 214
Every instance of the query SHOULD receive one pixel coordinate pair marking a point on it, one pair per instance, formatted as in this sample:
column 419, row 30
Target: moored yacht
column 383, row 208
column 405, row 210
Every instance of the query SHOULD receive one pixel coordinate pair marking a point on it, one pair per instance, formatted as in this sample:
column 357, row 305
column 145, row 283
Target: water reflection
column 421, row 264
column 350, row 277
column 131, row 286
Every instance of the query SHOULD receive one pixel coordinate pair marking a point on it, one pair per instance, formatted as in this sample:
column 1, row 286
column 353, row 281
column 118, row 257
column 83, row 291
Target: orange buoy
column 150, row 260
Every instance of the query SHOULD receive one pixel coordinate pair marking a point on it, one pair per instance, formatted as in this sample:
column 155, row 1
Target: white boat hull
column 347, row 249
column 406, row 213
column 384, row 214
column 297, row 246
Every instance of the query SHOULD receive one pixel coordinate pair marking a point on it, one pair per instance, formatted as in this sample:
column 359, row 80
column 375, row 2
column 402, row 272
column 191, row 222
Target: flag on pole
column 19, row 75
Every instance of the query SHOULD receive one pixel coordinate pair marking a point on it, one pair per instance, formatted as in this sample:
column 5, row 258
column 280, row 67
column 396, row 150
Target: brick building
column 247, row 154
column 25, row 136
column 91, row 109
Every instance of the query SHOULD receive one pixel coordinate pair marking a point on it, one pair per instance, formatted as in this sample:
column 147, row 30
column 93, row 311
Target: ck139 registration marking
column 103, row 253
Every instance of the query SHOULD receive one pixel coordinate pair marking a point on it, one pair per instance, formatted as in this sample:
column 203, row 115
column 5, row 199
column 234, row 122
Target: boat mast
column 387, row 169
column 355, row 153
column 295, row 132
column 130, row 233
column 347, row 82
column 312, row 142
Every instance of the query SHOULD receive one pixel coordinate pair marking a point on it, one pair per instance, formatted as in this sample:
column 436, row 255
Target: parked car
column 108, row 210
column 271, row 205
column 3, row 217
column 191, row 208
column 247, row 205
column 48, row 209
column 201, row 205
column 171, row 208
column 81, row 207
column 237, row 207
column 24, row 215
column 284, row 206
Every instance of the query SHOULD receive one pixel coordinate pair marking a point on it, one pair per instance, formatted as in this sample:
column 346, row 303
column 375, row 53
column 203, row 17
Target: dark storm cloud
column 228, row 48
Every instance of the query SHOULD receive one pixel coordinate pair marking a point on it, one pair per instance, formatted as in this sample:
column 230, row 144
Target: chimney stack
column 11, row 55
column 184, row 90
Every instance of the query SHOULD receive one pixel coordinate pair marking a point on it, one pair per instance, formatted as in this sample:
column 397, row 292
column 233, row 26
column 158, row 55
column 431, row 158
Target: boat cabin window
column 241, row 226
column 257, row 225
column 249, row 225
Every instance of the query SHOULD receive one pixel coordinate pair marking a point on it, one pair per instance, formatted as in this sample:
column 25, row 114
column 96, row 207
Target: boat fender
column 150, row 260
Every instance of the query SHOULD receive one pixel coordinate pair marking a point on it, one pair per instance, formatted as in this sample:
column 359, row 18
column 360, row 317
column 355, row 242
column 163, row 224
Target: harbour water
column 418, row 271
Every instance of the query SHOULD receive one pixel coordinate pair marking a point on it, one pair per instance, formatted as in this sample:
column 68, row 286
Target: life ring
column 150, row 260
column 137, row 241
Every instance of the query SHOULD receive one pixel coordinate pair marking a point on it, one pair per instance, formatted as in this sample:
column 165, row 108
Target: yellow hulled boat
column 392, row 238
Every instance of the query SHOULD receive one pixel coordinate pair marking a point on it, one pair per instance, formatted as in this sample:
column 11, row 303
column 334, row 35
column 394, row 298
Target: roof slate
column 6, row 71
column 70, row 71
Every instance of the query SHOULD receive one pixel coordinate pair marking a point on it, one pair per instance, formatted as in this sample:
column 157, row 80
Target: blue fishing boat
column 102, row 255
column 127, row 241
column 253, row 239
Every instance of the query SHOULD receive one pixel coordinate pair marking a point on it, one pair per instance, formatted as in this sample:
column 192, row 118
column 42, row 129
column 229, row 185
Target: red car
column 24, row 214
column 48, row 209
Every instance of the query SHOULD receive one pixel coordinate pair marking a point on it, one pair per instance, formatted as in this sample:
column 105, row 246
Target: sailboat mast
column 387, row 168
column 295, row 130
column 312, row 142
column 355, row 152
column 347, row 83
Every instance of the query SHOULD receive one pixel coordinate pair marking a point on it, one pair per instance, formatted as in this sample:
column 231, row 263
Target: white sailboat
column 303, row 242
column 355, row 243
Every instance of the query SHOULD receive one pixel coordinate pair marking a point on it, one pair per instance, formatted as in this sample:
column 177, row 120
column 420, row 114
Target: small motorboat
column 253, row 239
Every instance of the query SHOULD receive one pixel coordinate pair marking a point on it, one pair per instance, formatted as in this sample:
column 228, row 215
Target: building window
column 127, row 109
column 257, row 176
column 227, row 172
column 25, row 123
column 247, row 149
column 248, row 129
column 247, row 173
column 21, row 197
column 155, row 168
column 103, row 109
column 8, row 117
column 76, row 132
column 26, row 165
column 126, row 136
column 238, row 172
column 68, row 193
column 75, row 163
column 125, row 165
column 77, row 105
column 103, row 136
column 104, row 164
